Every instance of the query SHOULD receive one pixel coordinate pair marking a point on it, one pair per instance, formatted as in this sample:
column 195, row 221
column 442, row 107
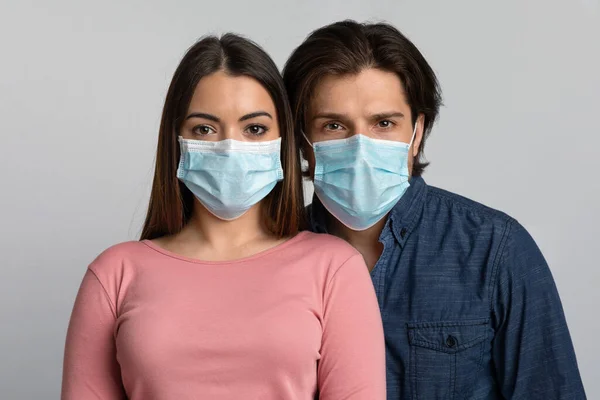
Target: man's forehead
column 372, row 88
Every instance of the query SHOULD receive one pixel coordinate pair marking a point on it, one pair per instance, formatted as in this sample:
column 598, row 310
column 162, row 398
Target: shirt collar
column 402, row 219
column 406, row 213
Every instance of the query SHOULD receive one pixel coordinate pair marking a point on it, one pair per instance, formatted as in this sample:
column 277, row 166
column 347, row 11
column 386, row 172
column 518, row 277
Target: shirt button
column 450, row 341
column 403, row 233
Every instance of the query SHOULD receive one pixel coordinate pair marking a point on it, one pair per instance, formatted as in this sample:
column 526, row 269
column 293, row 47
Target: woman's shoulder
column 121, row 251
column 324, row 245
column 327, row 255
column 116, row 257
column 327, row 241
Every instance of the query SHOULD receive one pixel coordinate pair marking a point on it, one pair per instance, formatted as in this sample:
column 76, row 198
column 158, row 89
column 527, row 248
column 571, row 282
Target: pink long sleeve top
column 283, row 324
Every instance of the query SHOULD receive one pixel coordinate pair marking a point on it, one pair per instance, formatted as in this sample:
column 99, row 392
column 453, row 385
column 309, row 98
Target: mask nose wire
column 410, row 144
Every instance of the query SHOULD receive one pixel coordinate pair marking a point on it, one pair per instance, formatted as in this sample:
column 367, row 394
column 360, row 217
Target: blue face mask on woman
column 228, row 177
column 360, row 179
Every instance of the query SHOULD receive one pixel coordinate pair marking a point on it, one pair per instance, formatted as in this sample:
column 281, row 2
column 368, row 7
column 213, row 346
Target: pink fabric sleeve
column 90, row 370
column 352, row 365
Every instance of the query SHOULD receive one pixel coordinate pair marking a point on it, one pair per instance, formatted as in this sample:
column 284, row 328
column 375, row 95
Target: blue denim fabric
column 469, row 306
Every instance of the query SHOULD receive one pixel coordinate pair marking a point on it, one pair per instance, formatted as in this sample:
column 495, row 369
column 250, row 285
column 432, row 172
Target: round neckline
column 260, row 254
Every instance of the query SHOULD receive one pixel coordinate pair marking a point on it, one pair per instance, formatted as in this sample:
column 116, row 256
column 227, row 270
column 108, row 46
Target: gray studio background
column 82, row 86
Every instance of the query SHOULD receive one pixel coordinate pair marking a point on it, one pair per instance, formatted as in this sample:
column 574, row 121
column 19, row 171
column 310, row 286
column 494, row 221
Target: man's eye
column 203, row 130
column 385, row 123
column 332, row 126
column 256, row 130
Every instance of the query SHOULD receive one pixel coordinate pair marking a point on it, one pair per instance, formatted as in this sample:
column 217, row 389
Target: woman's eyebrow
column 203, row 115
column 255, row 114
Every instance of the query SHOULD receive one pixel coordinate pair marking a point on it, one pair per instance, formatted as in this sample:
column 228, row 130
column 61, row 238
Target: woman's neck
column 209, row 238
column 215, row 232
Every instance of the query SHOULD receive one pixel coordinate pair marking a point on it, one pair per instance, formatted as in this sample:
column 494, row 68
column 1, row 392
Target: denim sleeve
column 532, row 349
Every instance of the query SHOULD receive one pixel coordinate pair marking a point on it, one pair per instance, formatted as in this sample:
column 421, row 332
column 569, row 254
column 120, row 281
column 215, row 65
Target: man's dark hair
column 348, row 47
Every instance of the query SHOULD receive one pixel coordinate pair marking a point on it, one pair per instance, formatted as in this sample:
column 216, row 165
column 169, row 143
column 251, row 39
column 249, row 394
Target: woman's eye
column 385, row 123
column 332, row 126
column 203, row 130
column 256, row 130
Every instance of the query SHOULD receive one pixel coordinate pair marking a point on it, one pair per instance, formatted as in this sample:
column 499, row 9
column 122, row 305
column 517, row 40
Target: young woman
column 223, row 298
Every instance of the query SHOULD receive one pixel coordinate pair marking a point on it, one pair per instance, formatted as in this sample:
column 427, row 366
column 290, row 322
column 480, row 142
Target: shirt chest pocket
column 445, row 357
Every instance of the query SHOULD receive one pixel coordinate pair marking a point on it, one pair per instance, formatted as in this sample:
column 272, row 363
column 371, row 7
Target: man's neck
column 366, row 242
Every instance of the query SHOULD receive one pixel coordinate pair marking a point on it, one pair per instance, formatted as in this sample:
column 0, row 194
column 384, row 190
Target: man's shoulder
column 458, row 205
column 486, row 222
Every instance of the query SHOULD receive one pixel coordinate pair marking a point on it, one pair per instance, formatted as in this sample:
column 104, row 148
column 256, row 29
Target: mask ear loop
column 413, row 135
column 307, row 141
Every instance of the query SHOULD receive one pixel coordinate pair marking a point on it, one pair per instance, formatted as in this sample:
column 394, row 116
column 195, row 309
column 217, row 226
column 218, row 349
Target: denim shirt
column 469, row 306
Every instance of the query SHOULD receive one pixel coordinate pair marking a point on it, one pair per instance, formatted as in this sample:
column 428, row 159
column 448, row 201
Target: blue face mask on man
column 360, row 179
column 228, row 177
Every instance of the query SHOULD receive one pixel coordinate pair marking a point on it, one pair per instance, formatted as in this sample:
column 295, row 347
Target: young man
column 469, row 306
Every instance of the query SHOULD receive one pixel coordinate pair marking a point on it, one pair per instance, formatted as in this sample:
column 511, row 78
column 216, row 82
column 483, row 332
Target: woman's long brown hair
column 171, row 202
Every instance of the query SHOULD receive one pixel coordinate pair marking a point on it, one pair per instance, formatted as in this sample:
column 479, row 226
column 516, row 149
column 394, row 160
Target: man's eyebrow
column 255, row 114
column 386, row 115
column 377, row 116
column 203, row 115
column 330, row 115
